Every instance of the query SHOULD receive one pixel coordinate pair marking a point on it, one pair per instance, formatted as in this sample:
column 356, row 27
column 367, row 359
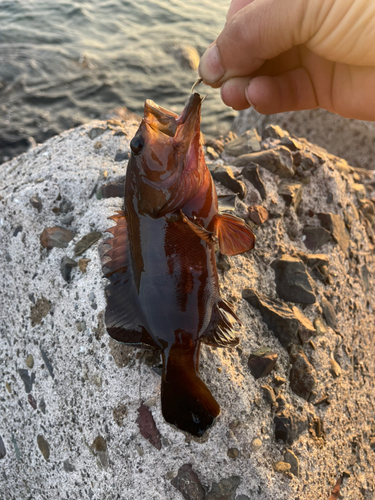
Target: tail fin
column 186, row 401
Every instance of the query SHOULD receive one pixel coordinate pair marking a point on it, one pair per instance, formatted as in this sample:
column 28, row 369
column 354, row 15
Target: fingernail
column 210, row 68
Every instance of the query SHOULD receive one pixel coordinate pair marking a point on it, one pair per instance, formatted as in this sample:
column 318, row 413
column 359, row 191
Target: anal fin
column 219, row 332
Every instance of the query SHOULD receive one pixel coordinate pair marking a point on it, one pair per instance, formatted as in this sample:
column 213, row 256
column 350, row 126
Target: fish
column 163, row 290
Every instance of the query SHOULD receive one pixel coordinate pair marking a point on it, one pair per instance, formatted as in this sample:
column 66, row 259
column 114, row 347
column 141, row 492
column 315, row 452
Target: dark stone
column 216, row 144
column 289, row 426
column 39, row 311
column 42, row 406
column 122, row 155
column 307, row 161
column 86, row 242
column 147, row 426
column 291, row 191
column 32, row 401
column 328, row 312
column 248, row 142
column 274, row 132
column 66, row 267
column 278, row 161
column 269, row 394
column 291, row 143
column 302, row 375
column 251, row 173
column 336, row 226
column 17, row 231
column 365, row 275
column 225, row 176
column 227, row 202
column 2, row 448
column 96, row 132
column 317, row 260
column 43, row 446
column 225, row 489
column 36, row 202
column 55, row 237
column 278, row 380
column 282, row 320
column 27, row 379
column 68, row 467
column 233, row 453
column 262, row 362
column 66, row 206
column 258, row 214
column 293, row 283
column 188, row 484
column 47, row 363
column 316, row 237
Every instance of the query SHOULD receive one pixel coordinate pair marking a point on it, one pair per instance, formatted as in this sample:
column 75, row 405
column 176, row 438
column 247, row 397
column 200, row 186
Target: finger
column 237, row 5
column 233, row 93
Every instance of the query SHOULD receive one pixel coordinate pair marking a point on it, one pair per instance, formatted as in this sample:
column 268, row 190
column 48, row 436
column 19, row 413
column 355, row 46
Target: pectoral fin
column 233, row 234
column 205, row 235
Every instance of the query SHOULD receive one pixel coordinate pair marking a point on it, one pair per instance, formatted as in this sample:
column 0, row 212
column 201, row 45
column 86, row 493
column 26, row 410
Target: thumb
column 261, row 30
column 237, row 5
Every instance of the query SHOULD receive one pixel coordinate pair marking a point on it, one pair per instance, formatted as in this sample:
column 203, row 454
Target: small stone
column 32, row 401
column 281, row 402
column 328, row 313
column 82, row 264
column 36, row 202
column 290, row 458
column 96, row 132
column 66, row 266
column 30, row 362
column 224, row 490
column 320, row 326
column 122, row 354
column 47, row 363
column 43, row 446
column 336, row 226
column 293, row 283
column 251, row 173
column 292, row 192
column 122, row 155
column 317, row 260
column 291, row 143
column 335, row 367
column 39, row 311
column 232, row 452
column 262, row 362
column 147, row 426
column 278, row 161
column 119, row 413
column 274, row 132
column 212, row 153
column 55, row 237
column 225, row 176
column 216, row 144
column 81, row 326
column 248, row 142
column 2, row 449
column 258, row 401
column 42, row 406
column 315, row 237
column 258, row 214
column 114, row 189
column 66, row 206
column 68, row 467
column 365, row 277
column 8, row 387
column 27, row 379
column 302, row 375
column 188, row 484
column 99, row 448
column 86, row 242
column 98, row 145
column 278, row 380
column 282, row 467
column 289, row 426
column 256, row 444
column 222, row 262
column 269, row 394
column 359, row 190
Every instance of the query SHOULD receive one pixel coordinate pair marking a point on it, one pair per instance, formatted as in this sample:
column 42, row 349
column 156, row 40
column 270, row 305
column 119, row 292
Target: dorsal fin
column 234, row 235
column 123, row 317
column 219, row 332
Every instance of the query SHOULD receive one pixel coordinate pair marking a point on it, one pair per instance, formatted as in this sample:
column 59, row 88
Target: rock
column 27, row 379
column 278, row 161
column 315, row 237
column 147, row 426
column 32, row 401
column 112, row 189
column 99, row 449
column 262, row 362
column 269, row 394
column 212, row 153
column 328, row 312
column 66, row 266
column 359, row 190
column 216, row 144
column 336, row 226
column 258, row 214
column 30, row 361
column 256, row 444
column 36, row 202
column 302, row 375
column 227, row 202
column 364, row 272
column 282, row 467
column 96, row 132
column 119, row 413
column 82, row 265
column 274, row 132
column 224, row 490
column 292, row 192
column 43, row 446
column 55, row 237
column 335, row 367
column 42, row 406
column 86, row 242
column 290, row 458
column 222, row 262
column 188, row 484
column 282, row 320
column 278, row 380
column 47, row 363
column 251, row 173
column 320, row 326
column 2, row 448
column 248, row 142
column 39, row 311
column 317, row 260
column 68, row 467
column 225, row 176
column 293, row 283
column 291, row 143
column 289, row 426
column 122, row 155
column 233, row 453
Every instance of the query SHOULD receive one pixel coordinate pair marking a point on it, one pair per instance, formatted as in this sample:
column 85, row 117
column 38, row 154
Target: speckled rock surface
column 68, row 422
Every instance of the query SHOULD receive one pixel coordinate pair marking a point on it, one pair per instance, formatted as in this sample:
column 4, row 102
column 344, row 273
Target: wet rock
column 282, row 320
column 47, row 363
column 114, row 189
column 282, row 467
column 292, row 192
column 68, row 467
column 119, row 413
column 66, row 266
column 293, row 283
column 122, row 155
column 262, row 362
column 99, row 448
column 36, row 202
column 278, row 161
column 290, row 458
column 147, row 426
column 2, row 448
column 233, row 453
column 302, row 375
column 315, row 237
column 335, row 367
column 258, row 214
column 86, row 242
column 225, row 489
column 32, row 401
column 248, row 142
column 269, row 394
column 43, row 446
column 336, row 226
column 274, row 132
column 188, row 484
column 27, row 379
column 328, row 312
column 289, row 426
column 30, row 362
column 39, row 311
column 55, row 237
column 96, row 132
column 251, row 173
column 225, row 176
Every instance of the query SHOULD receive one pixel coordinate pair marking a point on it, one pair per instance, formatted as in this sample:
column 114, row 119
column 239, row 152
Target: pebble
column 8, row 387
column 122, row 155
column 98, row 145
column 320, row 326
column 291, row 143
column 278, row 380
column 262, row 362
column 315, row 237
column 302, row 375
column 258, row 214
column 68, row 467
column 66, row 266
column 274, row 132
column 27, row 379
column 248, row 142
column 336, row 226
column 99, row 448
column 281, row 467
column 290, row 458
column 278, row 161
column 293, row 283
column 86, row 242
column 2, row 448
column 55, row 237
column 119, row 413
column 251, row 173
column 36, row 202
column 43, row 446
column 335, row 367
column 188, row 484
column 147, row 426
column 82, row 264
column 39, row 311
column 114, row 189
column 222, row 262
column 291, row 191
column 256, row 444
column 224, row 490
column 269, row 394
column 32, row 401
column 232, row 452
column 47, row 363
column 328, row 312
column 96, row 132
column 30, row 362
column 225, row 176
column 289, row 426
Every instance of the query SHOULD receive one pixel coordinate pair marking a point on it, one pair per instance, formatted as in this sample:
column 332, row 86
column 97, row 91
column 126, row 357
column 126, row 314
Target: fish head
column 167, row 161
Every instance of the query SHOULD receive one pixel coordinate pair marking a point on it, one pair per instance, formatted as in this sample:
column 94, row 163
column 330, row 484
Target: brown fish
column 164, row 290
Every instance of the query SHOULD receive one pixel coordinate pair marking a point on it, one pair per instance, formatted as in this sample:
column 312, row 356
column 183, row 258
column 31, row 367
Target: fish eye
column 136, row 144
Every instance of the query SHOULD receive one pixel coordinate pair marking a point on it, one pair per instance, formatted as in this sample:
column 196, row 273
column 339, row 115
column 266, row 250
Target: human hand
column 286, row 55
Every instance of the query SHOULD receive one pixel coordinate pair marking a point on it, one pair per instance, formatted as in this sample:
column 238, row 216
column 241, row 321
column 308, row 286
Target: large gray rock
column 69, row 422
